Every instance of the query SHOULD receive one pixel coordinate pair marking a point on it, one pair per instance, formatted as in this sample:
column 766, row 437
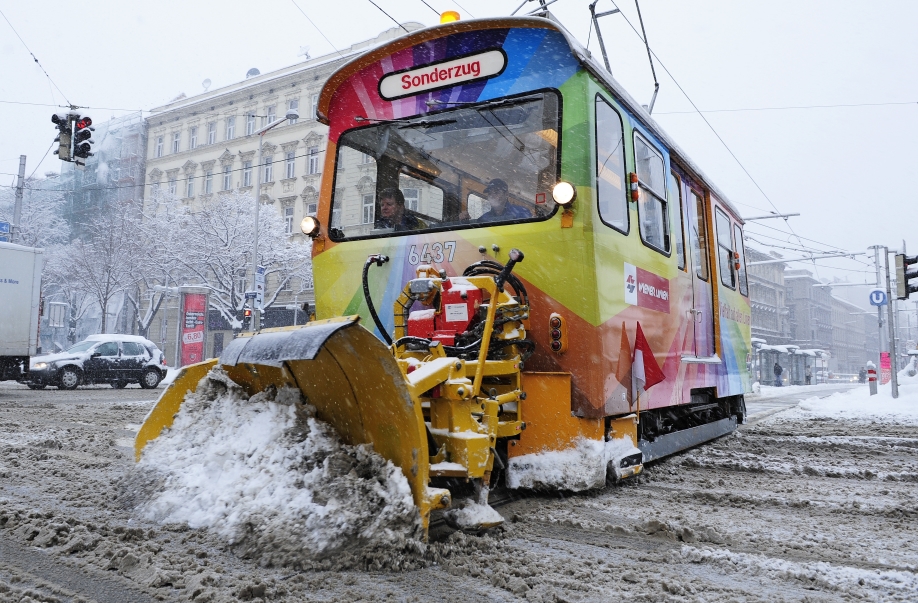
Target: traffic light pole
column 893, row 358
column 17, row 208
column 881, row 344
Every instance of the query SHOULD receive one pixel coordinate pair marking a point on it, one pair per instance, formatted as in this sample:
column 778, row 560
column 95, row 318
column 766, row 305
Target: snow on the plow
column 271, row 479
column 581, row 467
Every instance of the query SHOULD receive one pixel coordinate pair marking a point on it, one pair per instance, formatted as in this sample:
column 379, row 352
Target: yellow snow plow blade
column 346, row 373
column 167, row 406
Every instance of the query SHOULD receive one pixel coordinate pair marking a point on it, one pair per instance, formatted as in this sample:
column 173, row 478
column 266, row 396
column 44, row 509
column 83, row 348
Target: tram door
column 699, row 267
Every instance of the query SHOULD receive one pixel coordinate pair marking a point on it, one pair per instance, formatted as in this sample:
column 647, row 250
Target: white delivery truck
column 20, row 301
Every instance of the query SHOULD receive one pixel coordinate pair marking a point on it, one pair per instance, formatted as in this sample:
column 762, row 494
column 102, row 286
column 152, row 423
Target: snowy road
column 815, row 503
column 775, row 399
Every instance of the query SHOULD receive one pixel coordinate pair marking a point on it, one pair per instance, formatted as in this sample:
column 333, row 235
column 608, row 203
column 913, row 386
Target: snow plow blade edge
column 345, row 372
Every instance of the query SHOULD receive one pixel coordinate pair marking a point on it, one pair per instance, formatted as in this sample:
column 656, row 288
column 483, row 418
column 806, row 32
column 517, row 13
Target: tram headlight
column 310, row 227
column 564, row 193
column 449, row 16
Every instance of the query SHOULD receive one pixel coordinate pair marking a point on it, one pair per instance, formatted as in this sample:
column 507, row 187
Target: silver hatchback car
column 114, row 359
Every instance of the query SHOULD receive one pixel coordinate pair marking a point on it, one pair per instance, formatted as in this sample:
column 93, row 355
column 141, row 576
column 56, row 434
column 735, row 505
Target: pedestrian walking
column 808, row 375
column 778, row 371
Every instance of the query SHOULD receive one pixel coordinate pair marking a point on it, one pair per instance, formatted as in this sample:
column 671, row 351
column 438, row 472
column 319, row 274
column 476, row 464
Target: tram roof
column 584, row 56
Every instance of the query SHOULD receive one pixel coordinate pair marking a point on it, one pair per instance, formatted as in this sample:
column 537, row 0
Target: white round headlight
column 310, row 226
column 564, row 193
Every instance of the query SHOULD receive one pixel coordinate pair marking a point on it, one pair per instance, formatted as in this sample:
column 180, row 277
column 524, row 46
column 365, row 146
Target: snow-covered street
column 815, row 502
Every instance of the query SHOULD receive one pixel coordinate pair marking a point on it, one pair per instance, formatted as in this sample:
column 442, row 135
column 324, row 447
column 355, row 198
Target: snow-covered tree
column 104, row 263
column 42, row 221
column 209, row 244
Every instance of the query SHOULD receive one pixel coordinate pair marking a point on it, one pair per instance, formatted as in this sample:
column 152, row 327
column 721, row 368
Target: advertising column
column 192, row 328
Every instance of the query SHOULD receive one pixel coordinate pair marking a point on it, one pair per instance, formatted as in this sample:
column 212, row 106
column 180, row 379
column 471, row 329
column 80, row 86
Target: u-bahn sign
column 877, row 297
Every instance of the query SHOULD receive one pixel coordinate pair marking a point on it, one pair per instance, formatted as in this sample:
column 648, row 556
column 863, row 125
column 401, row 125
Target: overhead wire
column 689, row 99
column 388, row 15
column 90, row 187
column 424, row 2
column 469, row 13
column 40, row 162
column 317, row 28
column 789, row 108
column 34, row 58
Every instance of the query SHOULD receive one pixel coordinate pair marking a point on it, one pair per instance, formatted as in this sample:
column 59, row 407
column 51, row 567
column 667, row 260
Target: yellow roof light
column 449, row 16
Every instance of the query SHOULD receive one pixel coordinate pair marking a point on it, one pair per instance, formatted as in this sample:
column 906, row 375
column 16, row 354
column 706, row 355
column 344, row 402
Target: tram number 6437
column 432, row 252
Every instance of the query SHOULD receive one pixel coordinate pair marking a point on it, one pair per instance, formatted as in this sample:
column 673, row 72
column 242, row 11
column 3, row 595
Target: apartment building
column 206, row 144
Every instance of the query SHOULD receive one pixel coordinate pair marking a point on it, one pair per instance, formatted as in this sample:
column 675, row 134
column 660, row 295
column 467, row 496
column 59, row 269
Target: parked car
column 114, row 359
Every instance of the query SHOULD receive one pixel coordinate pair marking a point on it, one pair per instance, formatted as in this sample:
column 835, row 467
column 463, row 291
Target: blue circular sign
column 877, row 297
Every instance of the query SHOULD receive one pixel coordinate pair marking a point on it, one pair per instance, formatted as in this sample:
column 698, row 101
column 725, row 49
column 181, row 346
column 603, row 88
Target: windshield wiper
column 485, row 105
column 406, row 122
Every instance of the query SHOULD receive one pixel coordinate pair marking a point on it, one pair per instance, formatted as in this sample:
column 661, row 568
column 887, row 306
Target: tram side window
column 699, row 238
column 610, row 167
column 725, row 250
column 675, row 189
column 741, row 250
column 652, row 210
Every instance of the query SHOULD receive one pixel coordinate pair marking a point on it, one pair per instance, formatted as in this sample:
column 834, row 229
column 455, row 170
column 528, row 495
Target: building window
column 293, row 105
column 176, row 141
column 312, row 160
column 192, row 138
column 315, row 106
column 312, row 209
column 291, row 165
column 159, row 147
column 173, row 186
column 208, row 182
column 365, row 159
column 155, row 189
column 189, row 187
column 227, row 177
column 212, row 132
column 288, row 220
column 269, row 170
column 369, row 206
column 271, row 115
column 246, row 173
column 336, row 217
column 412, row 195
column 230, row 127
column 249, row 123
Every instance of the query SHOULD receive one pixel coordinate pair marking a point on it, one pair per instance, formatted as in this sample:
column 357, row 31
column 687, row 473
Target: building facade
column 849, row 337
column 206, row 145
column 767, row 291
column 809, row 310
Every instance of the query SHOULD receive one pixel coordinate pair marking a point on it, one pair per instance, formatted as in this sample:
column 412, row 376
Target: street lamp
column 292, row 114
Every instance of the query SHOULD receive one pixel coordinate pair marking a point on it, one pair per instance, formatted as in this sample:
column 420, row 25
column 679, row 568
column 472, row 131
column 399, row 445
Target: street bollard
column 872, row 378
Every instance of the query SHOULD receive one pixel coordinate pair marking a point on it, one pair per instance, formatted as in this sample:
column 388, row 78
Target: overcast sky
column 847, row 170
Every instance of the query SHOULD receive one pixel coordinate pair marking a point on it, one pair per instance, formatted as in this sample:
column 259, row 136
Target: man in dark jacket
column 778, row 371
column 392, row 212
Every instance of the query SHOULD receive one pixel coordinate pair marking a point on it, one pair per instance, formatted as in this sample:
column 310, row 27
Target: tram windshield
column 469, row 165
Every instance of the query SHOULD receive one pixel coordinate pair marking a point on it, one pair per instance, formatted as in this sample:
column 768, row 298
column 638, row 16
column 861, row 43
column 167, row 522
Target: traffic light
column 246, row 318
column 903, row 288
column 63, row 123
column 82, row 137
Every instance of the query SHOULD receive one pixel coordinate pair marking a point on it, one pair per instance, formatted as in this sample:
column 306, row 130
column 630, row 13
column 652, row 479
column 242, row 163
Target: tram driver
column 392, row 212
